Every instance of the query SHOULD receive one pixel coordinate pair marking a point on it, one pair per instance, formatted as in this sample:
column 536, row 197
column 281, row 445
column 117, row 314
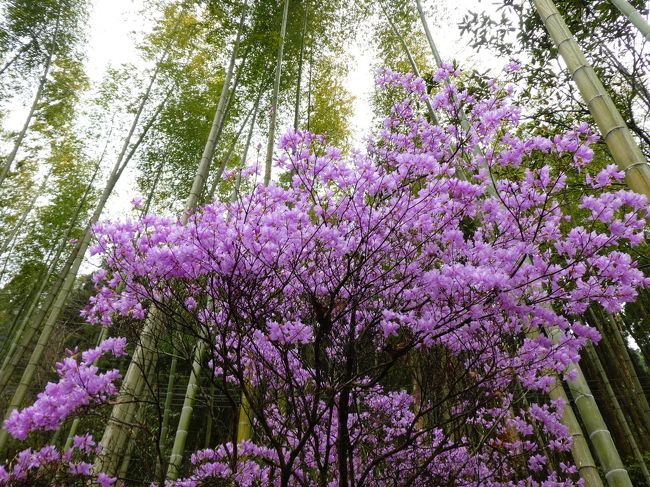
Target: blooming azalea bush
column 384, row 314
column 81, row 386
column 437, row 238
column 50, row 466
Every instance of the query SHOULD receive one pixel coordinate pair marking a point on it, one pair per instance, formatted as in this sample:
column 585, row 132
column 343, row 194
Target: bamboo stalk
column 154, row 185
column 176, row 457
column 244, row 426
column 611, row 354
column 311, row 64
column 274, row 99
column 231, row 151
column 633, row 16
column 217, row 124
column 21, row 221
column 617, row 136
column 144, row 357
column 580, row 447
column 180, row 439
column 414, row 66
column 20, row 342
column 296, row 112
column 128, row 454
column 593, row 357
column 425, row 25
column 600, row 437
column 4, row 171
column 224, row 99
column 207, row 439
column 28, row 327
column 249, row 137
column 634, row 383
column 167, row 409
column 127, row 405
column 61, row 297
column 190, row 395
column 104, row 332
column 596, row 428
column 15, row 58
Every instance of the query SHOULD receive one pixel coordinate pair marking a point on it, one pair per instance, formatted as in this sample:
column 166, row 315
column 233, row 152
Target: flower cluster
column 80, row 385
column 35, row 467
column 386, row 77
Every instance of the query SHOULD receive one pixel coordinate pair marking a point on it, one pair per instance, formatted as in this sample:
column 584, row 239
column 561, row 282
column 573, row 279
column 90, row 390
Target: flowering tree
column 383, row 315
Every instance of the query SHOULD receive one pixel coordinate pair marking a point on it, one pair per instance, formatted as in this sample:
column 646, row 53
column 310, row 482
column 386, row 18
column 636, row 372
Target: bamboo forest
column 325, row 243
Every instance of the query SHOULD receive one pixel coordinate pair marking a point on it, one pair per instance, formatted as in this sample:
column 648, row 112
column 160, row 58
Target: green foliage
column 30, row 32
column 56, row 109
column 332, row 103
column 193, row 73
column 633, row 468
column 16, row 291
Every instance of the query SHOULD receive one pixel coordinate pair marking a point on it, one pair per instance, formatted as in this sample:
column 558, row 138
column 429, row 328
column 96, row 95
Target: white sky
column 111, row 25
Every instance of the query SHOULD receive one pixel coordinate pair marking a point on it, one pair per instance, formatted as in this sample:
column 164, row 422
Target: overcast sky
column 115, row 25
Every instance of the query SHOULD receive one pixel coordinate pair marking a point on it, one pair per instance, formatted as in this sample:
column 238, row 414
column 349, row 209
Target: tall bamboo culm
column 23, row 335
column 227, row 95
column 601, row 439
column 9, row 241
column 178, row 450
column 124, row 157
column 103, row 334
column 274, row 98
column 633, row 16
column 611, row 332
column 414, row 66
column 580, row 452
column 593, row 357
column 629, row 158
column 6, row 166
column 617, row 136
column 116, row 434
column 243, row 416
column 296, row 111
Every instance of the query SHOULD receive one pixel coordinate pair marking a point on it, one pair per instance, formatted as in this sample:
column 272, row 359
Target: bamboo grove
column 209, row 277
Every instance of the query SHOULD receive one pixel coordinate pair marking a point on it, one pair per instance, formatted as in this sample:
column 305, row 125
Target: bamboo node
column 553, row 14
column 614, row 129
column 561, row 42
column 635, row 165
column 581, row 395
column 614, row 471
column 599, row 431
